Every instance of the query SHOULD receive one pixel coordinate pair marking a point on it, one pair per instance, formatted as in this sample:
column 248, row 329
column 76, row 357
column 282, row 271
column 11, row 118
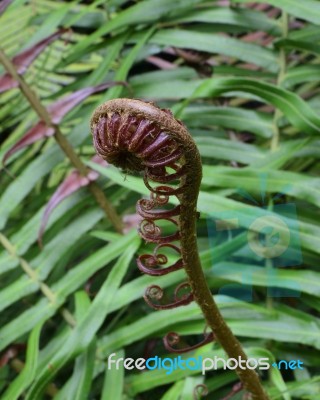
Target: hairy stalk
column 138, row 136
column 62, row 142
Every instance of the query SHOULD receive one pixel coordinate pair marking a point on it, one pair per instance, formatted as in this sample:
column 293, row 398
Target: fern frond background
column 244, row 78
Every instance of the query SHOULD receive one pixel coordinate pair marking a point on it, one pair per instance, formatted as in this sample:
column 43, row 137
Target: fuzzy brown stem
column 201, row 291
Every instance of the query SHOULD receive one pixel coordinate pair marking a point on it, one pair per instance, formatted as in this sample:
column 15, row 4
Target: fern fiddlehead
column 140, row 137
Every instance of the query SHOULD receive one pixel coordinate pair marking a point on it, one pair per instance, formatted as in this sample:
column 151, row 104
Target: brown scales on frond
column 134, row 143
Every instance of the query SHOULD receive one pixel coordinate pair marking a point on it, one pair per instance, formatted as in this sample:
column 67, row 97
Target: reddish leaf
column 7, row 83
column 25, row 58
column 57, row 111
column 61, row 107
column 38, row 132
column 3, row 5
column 161, row 63
column 7, row 356
column 10, row 353
column 71, row 184
column 98, row 160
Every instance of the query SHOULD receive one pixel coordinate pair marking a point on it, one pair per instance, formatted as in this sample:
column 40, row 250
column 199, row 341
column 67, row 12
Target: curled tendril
column 199, row 391
column 155, row 292
column 164, row 190
column 150, row 263
column 144, row 209
column 172, row 338
column 151, row 232
column 146, row 205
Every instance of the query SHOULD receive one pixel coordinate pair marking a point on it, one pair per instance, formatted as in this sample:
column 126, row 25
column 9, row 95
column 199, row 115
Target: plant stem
column 197, row 280
column 63, row 142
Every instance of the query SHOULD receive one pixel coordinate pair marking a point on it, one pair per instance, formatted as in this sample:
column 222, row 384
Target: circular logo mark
column 269, row 236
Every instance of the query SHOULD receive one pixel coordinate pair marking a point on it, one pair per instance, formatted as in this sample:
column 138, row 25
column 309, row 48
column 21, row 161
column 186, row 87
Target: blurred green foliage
column 244, row 78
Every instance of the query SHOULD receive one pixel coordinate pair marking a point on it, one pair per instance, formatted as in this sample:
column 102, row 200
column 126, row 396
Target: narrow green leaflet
column 145, row 12
column 99, row 73
column 113, row 381
column 218, row 381
column 306, row 389
column 308, row 32
column 213, row 43
column 300, row 186
column 189, row 387
column 301, row 74
column 306, row 9
column 231, row 150
column 159, row 76
column 21, row 186
column 81, row 381
column 278, row 158
column 246, row 18
column 84, row 332
column 174, row 392
column 275, row 375
column 303, row 281
column 298, row 112
column 28, row 374
column 47, row 259
column 168, row 89
column 28, row 233
column 299, row 45
column 71, row 281
column 51, row 23
column 229, row 117
column 79, row 385
column 78, row 275
column 126, row 64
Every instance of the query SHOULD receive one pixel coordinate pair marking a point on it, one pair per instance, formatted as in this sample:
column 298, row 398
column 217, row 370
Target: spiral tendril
column 155, row 292
column 199, row 391
column 172, row 338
